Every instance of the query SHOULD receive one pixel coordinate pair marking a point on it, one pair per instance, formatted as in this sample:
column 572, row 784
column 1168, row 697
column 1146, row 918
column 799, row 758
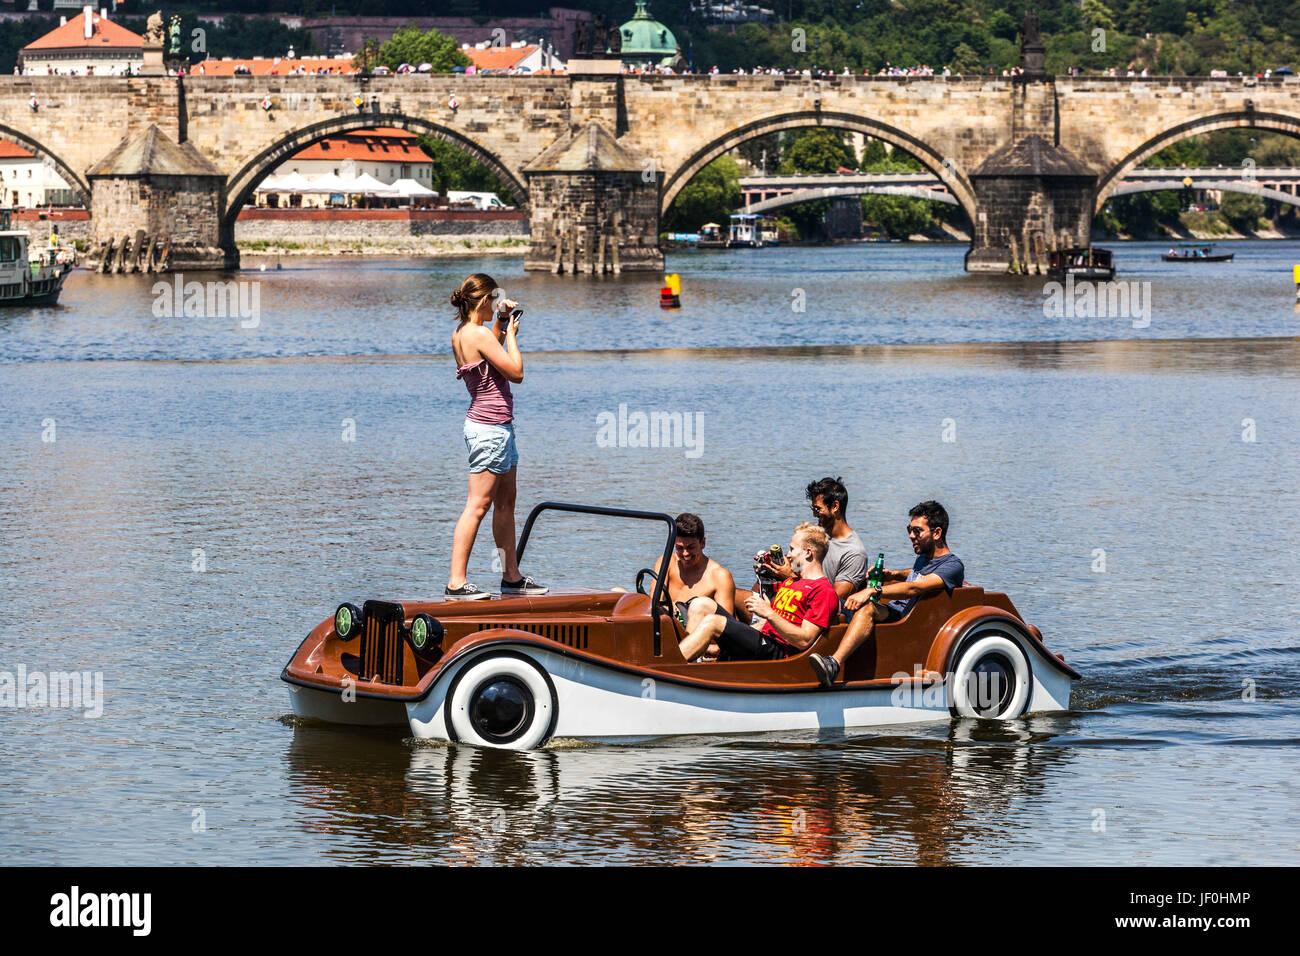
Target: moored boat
column 1082, row 263
column 24, row 281
column 746, row 231
column 604, row 664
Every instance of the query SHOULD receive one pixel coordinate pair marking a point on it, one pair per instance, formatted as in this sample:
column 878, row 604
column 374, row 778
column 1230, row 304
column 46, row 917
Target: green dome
column 646, row 38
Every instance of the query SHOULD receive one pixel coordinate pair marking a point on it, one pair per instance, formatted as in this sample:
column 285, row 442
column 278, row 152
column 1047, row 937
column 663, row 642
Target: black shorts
column 742, row 642
column 684, row 606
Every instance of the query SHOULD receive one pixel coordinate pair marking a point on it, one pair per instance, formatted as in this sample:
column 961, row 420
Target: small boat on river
column 604, row 664
column 1196, row 252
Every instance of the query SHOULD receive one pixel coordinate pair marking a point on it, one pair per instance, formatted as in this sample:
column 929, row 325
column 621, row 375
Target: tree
column 16, row 34
column 411, row 45
column 1141, row 214
column 1242, row 211
column 453, row 168
column 898, row 216
column 816, row 151
column 710, row 196
column 1097, row 15
column 964, row 59
column 873, row 153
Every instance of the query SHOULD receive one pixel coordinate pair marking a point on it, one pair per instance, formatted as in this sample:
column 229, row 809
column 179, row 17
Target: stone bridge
column 596, row 156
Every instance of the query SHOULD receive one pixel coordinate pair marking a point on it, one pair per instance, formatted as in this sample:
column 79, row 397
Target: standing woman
column 488, row 360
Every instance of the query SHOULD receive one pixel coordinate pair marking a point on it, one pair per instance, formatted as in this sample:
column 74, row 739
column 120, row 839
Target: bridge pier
column 592, row 208
column 1034, row 193
column 151, row 186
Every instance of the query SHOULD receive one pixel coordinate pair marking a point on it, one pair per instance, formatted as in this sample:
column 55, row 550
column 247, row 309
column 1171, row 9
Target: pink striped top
column 490, row 401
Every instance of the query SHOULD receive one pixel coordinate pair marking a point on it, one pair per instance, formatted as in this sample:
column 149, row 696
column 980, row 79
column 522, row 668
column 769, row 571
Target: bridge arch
column 957, row 184
column 76, row 181
column 1236, row 119
column 241, row 184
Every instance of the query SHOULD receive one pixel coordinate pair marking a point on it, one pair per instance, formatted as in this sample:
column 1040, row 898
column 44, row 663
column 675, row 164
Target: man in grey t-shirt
column 847, row 561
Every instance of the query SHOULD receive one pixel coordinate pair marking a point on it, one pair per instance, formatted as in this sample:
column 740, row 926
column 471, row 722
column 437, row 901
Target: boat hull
column 1090, row 274
column 331, row 707
column 1220, row 257
column 598, row 703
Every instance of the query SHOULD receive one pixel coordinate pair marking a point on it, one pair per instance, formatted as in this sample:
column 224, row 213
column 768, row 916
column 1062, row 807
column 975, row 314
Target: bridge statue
column 1032, row 53
column 153, row 32
column 174, row 31
column 1029, row 31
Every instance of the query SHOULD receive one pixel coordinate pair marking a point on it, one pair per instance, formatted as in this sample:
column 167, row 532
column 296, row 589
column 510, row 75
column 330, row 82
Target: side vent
column 571, row 635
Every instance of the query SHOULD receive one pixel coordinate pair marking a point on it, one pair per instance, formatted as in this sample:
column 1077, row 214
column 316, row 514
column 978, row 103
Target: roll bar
column 660, row 590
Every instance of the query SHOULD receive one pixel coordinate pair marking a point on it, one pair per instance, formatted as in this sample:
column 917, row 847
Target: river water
column 1131, row 481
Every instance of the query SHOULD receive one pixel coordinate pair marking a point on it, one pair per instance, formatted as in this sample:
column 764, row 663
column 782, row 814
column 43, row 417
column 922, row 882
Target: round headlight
column 426, row 632
column 347, row 621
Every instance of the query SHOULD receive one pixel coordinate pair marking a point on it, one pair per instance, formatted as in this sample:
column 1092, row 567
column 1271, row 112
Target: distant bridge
column 769, row 193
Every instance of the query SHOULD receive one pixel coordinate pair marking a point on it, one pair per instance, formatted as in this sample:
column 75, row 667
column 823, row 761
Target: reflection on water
column 792, row 800
column 181, row 441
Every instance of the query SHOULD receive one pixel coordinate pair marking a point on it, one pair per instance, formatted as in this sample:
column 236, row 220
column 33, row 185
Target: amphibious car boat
column 516, row 672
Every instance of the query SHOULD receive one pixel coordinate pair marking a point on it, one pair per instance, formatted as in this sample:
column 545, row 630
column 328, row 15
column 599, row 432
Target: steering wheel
column 665, row 604
column 640, row 580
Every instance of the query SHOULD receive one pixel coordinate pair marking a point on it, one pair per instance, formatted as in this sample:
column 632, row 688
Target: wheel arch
column 962, row 624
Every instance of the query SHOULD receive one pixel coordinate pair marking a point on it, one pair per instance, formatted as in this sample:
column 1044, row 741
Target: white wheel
column 501, row 699
column 991, row 678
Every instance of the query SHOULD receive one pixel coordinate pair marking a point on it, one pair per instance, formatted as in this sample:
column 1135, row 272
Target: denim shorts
column 491, row 447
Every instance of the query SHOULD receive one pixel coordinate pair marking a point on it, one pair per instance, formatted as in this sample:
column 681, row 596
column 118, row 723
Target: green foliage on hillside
column 1188, row 37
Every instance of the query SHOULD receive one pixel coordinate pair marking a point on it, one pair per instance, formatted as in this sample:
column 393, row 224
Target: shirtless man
column 693, row 574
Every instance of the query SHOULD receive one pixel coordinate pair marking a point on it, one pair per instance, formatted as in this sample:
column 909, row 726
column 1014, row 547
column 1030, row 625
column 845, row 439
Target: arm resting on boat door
column 898, row 591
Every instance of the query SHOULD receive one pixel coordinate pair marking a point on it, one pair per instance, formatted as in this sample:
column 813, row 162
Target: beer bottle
column 876, row 576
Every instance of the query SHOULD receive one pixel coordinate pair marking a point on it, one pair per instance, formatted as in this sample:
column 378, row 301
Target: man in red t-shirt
column 799, row 613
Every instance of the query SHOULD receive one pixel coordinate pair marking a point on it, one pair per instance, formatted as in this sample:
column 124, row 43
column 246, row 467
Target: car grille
column 573, row 635
column 381, row 642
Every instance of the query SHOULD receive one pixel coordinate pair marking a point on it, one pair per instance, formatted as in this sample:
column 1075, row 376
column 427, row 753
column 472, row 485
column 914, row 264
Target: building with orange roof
column 516, row 58
column 85, row 45
column 27, row 182
column 386, row 153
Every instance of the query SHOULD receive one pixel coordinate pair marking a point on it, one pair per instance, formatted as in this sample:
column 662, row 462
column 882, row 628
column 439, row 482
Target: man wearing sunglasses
column 935, row 569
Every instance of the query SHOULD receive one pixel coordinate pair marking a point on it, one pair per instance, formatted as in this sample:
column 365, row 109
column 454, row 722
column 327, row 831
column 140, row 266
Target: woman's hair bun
column 457, row 297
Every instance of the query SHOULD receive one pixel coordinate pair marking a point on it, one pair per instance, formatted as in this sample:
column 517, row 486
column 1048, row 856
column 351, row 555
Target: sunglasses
column 914, row 532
